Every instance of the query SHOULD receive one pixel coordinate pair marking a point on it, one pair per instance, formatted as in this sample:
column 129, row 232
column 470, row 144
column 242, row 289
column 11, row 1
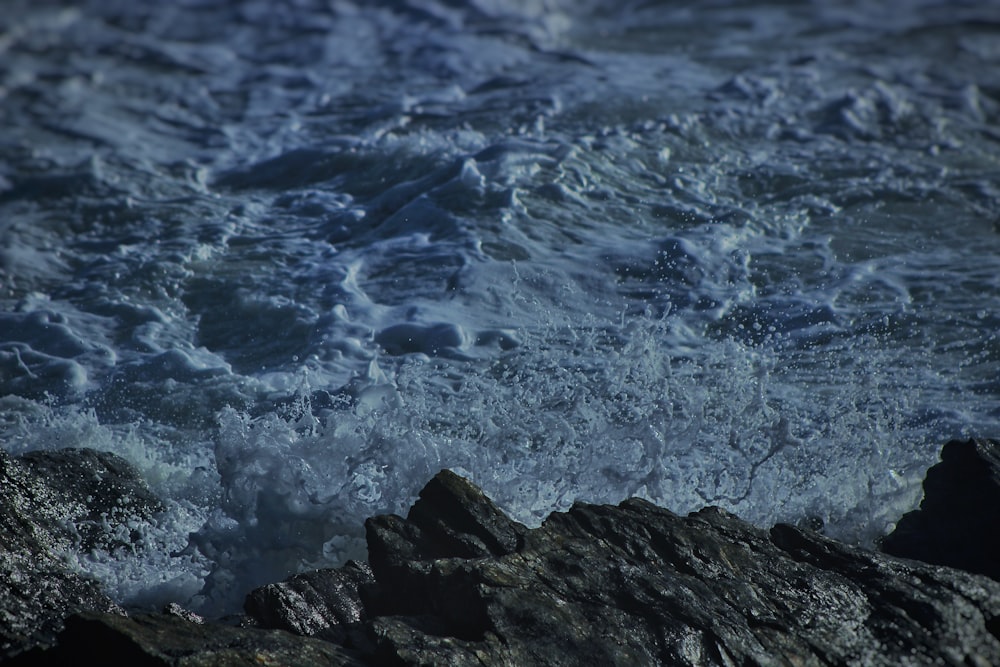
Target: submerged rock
column 958, row 522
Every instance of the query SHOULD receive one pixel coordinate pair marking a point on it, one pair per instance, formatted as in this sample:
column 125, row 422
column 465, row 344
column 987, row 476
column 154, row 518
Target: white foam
column 530, row 243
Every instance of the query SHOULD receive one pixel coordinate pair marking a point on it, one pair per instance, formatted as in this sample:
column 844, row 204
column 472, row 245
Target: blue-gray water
column 292, row 258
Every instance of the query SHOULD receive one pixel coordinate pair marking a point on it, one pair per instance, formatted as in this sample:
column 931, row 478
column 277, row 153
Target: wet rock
column 52, row 503
column 324, row 604
column 166, row 640
column 637, row 584
column 457, row 582
column 97, row 494
column 174, row 609
column 958, row 522
column 37, row 592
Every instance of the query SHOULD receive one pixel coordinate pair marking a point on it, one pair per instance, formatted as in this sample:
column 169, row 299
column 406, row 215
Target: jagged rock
column 958, row 523
column 324, row 604
column 167, row 640
column 637, row 584
column 451, row 518
column 457, row 582
column 50, row 503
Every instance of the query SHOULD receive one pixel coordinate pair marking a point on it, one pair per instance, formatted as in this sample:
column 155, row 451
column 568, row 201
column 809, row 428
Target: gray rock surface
column 958, row 522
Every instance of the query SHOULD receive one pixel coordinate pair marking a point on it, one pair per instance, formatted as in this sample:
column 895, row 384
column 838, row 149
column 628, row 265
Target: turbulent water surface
column 292, row 258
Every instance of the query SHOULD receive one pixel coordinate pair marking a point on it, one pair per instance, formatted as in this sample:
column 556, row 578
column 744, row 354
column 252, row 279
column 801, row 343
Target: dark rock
column 451, row 519
column 323, row 604
column 166, row 640
column 52, row 503
column 459, row 583
column 958, row 523
column 36, row 594
column 93, row 490
column 636, row 584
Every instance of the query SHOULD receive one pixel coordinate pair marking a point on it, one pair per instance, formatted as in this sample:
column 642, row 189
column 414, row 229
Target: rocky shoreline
column 457, row 582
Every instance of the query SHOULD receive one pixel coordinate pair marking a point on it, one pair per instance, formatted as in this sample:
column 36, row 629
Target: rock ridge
column 457, row 582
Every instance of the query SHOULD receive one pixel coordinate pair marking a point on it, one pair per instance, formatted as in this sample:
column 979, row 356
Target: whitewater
column 290, row 259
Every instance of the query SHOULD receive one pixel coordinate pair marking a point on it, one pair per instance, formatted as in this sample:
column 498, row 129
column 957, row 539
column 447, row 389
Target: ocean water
column 292, row 258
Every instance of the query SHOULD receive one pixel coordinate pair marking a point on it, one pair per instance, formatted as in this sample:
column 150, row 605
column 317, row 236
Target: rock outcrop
column 51, row 502
column 958, row 523
column 457, row 582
